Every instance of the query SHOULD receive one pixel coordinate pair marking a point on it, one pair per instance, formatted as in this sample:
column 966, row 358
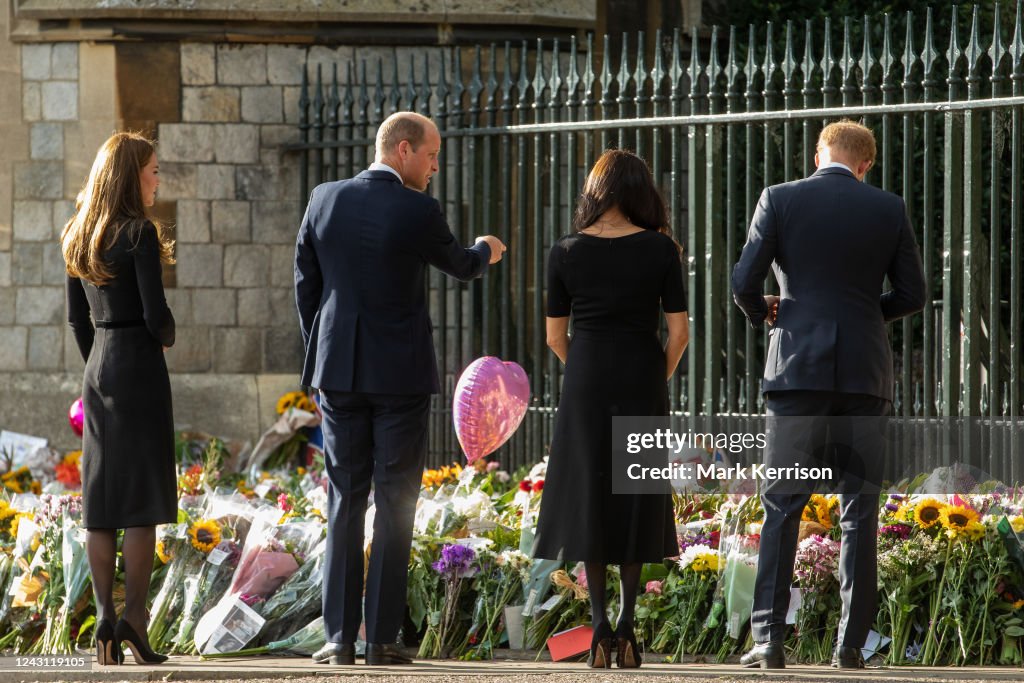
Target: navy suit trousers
column 378, row 439
column 802, row 432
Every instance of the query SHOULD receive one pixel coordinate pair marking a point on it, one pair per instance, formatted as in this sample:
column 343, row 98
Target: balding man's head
column 410, row 144
column 403, row 125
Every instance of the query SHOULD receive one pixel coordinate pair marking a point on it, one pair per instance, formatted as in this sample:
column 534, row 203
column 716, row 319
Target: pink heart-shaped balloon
column 490, row 403
column 76, row 417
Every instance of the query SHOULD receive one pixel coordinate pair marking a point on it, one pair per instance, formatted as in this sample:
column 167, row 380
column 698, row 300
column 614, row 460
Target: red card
column 570, row 643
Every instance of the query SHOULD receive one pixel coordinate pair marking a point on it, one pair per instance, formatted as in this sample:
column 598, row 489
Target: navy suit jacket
column 831, row 241
column 361, row 258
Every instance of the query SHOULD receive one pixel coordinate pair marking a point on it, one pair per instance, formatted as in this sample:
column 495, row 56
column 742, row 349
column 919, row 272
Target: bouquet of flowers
column 271, row 555
column 816, row 570
column 689, row 590
column 457, row 562
column 568, row 608
column 499, row 581
column 62, row 555
column 297, row 601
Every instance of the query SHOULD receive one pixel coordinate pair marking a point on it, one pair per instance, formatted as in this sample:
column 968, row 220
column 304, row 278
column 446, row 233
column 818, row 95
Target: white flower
column 516, row 561
column 539, row 471
column 502, row 476
column 693, row 552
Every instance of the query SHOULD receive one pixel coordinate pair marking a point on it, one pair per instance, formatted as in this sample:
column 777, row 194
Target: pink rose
column 653, row 587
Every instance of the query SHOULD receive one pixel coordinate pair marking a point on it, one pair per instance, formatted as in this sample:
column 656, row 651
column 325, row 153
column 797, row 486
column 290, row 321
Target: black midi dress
column 615, row 289
column 128, row 475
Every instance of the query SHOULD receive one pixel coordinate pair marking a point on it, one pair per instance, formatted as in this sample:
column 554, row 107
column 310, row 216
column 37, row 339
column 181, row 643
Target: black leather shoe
column 847, row 658
column 385, row 655
column 336, row 653
column 765, row 656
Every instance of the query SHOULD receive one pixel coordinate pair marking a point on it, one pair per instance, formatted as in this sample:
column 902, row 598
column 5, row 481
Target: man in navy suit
column 831, row 241
column 361, row 258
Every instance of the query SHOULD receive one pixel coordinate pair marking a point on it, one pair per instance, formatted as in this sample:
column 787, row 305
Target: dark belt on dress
column 117, row 324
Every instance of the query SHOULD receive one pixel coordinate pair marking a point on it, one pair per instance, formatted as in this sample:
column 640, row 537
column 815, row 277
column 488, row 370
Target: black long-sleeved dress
column 128, row 476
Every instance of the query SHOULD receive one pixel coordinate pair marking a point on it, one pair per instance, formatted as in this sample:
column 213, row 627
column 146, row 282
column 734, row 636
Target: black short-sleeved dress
column 128, row 476
column 615, row 289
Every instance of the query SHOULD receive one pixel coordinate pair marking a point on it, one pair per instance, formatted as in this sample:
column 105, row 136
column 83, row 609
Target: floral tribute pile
column 241, row 571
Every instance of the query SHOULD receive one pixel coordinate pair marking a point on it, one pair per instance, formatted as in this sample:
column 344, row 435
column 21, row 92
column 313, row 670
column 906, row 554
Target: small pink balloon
column 76, row 417
column 490, row 402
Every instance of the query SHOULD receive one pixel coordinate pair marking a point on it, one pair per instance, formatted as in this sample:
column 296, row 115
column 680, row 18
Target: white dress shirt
column 831, row 164
column 377, row 166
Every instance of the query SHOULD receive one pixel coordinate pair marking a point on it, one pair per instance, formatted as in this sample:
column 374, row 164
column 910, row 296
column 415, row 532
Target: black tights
column 137, row 549
column 629, row 582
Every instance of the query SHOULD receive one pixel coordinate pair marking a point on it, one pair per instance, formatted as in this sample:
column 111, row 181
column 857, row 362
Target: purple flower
column 455, row 560
column 892, row 507
column 900, row 531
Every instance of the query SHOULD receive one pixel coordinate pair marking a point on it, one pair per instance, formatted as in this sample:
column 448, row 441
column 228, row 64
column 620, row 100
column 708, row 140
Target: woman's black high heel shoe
column 627, row 654
column 107, row 652
column 601, row 647
column 125, row 634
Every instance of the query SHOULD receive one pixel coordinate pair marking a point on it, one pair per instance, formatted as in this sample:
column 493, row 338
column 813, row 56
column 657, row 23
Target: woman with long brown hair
column 614, row 276
column 113, row 253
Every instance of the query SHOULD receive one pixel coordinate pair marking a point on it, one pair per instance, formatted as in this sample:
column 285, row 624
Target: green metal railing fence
column 718, row 115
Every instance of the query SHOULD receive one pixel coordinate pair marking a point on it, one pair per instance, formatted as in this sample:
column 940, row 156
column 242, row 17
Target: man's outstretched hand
column 497, row 248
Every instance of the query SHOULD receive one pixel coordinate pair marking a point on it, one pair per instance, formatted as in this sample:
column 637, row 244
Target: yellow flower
column 927, row 512
column 205, row 535
column 705, row 562
column 824, row 515
column 975, row 531
column 1018, row 604
column 1018, row 524
column 13, row 485
column 34, row 545
column 162, row 552
column 957, row 518
column 290, row 400
column 73, row 458
column 300, row 471
column 37, row 488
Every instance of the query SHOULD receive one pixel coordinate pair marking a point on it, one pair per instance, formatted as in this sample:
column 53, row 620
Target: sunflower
column 1017, row 523
column 163, row 552
column 927, row 512
column 289, row 400
column 956, row 518
column 304, row 403
column 205, row 535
